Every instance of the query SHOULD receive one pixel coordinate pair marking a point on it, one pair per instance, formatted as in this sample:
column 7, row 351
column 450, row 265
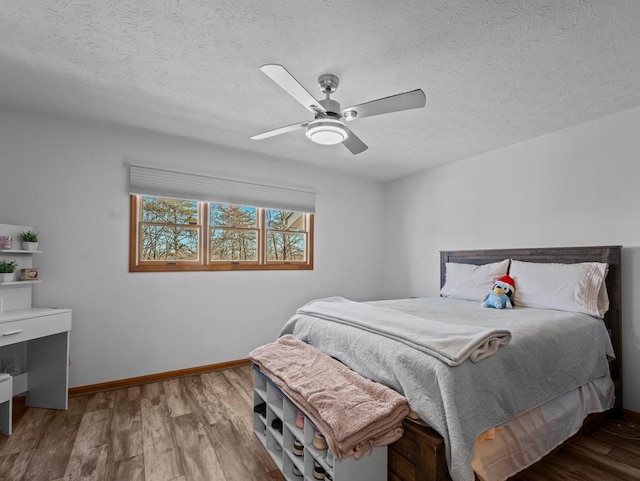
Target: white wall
column 580, row 186
column 68, row 180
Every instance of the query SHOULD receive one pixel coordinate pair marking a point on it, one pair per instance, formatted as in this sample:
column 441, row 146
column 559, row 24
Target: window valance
column 168, row 183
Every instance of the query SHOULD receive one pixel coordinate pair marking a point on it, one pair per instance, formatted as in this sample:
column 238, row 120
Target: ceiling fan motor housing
column 332, row 108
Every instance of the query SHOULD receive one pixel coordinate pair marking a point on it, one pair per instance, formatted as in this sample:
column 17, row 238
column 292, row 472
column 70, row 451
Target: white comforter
column 550, row 353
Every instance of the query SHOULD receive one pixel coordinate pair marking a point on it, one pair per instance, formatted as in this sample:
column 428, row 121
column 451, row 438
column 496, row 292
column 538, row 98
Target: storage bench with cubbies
column 274, row 424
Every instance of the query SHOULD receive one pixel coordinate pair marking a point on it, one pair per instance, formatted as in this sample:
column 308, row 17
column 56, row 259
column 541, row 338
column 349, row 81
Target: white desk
column 44, row 335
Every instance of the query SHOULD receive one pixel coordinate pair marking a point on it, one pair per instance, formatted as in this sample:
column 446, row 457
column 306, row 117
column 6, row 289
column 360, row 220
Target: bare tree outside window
column 285, row 236
column 234, row 233
column 169, row 229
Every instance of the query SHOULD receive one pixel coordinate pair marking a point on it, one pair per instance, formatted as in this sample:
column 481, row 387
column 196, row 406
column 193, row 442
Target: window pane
column 234, row 245
column 169, row 243
column 230, row 215
column 283, row 246
column 285, row 220
column 169, row 211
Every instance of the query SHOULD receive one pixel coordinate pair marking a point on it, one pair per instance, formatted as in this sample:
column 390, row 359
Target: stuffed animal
column 500, row 295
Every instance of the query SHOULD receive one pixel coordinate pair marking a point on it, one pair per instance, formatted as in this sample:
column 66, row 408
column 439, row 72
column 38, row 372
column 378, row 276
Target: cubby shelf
column 371, row 467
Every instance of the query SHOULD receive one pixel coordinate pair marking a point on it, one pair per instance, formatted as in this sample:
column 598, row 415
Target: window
column 170, row 234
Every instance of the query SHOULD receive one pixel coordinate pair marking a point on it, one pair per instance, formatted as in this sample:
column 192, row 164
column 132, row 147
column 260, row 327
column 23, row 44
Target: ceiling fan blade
column 281, row 130
column 354, row 144
column 284, row 79
column 414, row 99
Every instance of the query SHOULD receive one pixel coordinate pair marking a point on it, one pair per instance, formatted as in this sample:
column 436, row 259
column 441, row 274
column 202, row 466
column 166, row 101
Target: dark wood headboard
column 566, row 255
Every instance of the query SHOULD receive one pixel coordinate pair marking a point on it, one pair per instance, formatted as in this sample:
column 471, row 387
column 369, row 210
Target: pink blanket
column 355, row 414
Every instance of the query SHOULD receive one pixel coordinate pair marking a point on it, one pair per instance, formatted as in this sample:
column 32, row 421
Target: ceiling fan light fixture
column 327, row 131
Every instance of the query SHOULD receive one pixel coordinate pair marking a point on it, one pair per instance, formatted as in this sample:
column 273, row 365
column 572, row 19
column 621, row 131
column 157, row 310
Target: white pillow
column 471, row 282
column 563, row 287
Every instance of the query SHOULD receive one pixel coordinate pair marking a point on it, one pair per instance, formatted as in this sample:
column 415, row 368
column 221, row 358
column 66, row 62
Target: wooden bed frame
column 420, row 454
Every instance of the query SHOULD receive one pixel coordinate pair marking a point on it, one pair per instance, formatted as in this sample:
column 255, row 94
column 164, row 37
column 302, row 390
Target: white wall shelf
column 18, row 251
column 18, row 283
column 17, row 298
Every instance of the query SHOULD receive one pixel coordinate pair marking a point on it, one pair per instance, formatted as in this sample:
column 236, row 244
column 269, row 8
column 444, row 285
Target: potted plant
column 7, row 268
column 29, row 240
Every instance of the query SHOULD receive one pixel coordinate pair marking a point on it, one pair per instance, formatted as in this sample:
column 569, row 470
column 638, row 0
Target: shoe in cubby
column 277, row 425
column 318, row 471
column 260, row 409
column 298, row 447
column 300, row 419
column 329, row 459
column 319, row 441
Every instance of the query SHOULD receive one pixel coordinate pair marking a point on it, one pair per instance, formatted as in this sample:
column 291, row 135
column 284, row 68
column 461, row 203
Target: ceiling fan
column 328, row 126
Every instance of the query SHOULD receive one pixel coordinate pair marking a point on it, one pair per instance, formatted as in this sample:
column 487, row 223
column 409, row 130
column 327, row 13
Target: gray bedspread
column 550, row 352
column 453, row 344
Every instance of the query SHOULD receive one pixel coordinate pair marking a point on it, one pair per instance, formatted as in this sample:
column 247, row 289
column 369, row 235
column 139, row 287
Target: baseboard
column 631, row 416
column 162, row 376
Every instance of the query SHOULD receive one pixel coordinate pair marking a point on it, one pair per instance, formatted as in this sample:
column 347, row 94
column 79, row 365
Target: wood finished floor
column 200, row 428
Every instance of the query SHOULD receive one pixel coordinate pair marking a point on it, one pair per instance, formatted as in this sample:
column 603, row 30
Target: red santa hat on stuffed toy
column 506, row 279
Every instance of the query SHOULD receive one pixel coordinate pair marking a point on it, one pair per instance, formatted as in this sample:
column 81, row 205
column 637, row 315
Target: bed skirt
column 420, row 454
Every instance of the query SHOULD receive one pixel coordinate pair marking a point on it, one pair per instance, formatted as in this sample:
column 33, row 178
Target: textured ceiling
column 495, row 72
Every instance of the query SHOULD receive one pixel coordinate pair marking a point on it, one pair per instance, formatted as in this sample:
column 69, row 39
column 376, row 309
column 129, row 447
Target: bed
column 421, row 454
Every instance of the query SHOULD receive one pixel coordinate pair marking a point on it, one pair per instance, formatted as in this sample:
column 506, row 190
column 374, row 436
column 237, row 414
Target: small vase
column 6, row 242
column 7, row 277
column 29, row 246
